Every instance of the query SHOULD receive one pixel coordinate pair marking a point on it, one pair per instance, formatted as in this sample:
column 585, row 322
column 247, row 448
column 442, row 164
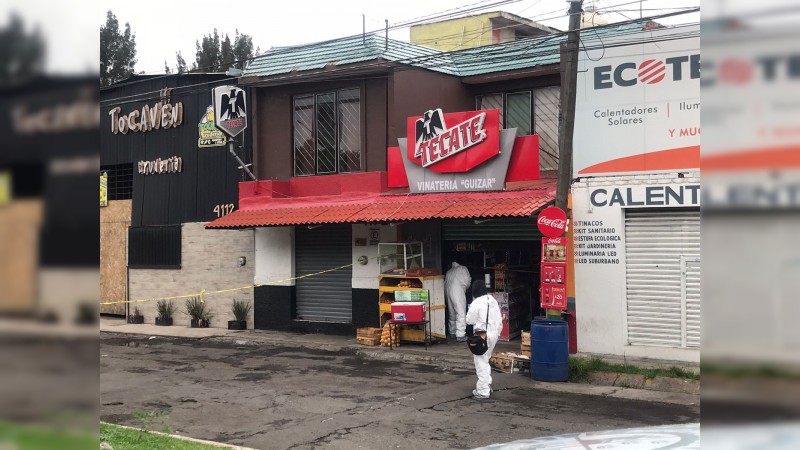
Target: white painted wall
column 274, row 255
column 366, row 276
column 600, row 294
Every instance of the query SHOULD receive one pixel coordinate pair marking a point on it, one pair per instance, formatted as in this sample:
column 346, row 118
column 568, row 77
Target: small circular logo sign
column 552, row 222
column 652, row 71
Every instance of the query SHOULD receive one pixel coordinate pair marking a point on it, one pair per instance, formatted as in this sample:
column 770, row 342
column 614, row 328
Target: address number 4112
column 223, row 210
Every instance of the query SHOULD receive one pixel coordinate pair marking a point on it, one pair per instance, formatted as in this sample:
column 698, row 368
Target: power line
column 422, row 60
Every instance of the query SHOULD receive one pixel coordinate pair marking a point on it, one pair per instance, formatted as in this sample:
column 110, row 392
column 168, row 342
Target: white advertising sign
column 230, row 109
column 638, row 103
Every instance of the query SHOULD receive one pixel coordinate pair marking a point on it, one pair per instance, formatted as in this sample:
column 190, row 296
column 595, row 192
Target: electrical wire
column 425, row 61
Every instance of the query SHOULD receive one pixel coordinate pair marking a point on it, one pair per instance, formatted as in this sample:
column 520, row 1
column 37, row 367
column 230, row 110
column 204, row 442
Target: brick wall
column 210, row 261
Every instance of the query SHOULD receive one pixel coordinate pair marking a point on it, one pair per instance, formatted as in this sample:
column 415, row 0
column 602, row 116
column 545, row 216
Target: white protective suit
column 477, row 318
column 456, row 282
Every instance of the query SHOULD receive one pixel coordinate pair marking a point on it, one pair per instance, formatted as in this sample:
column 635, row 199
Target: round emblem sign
column 552, row 222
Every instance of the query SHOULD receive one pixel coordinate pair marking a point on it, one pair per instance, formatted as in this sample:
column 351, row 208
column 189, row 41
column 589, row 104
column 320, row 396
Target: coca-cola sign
column 552, row 222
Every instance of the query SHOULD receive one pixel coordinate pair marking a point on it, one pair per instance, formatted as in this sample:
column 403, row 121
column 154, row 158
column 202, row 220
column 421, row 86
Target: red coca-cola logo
column 552, row 222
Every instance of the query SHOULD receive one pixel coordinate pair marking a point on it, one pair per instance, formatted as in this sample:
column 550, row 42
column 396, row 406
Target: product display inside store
column 410, row 296
column 509, row 270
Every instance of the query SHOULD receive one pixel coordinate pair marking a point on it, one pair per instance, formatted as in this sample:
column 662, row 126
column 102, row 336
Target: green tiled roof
column 526, row 53
column 339, row 52
column 520, row 54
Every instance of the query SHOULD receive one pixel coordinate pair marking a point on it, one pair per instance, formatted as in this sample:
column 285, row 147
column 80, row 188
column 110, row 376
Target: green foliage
column 127, row 439
column 196, row 309
column 117, row 51
column 215, row 53
column 579, row 369
column 180, row 63
column 165, row 308
column 150, row 420
column 240, row 309
column 136, row 312
column 87, row 313
column 21, row 52
column 28, row 437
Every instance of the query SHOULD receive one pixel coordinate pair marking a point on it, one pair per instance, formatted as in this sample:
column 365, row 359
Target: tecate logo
column 555, row 223
column 651, row 71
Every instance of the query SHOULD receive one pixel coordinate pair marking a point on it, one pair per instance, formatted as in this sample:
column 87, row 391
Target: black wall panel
column 209, row 177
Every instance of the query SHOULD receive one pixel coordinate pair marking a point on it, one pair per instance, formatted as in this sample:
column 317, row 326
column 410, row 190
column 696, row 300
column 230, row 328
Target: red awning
column 391, row 208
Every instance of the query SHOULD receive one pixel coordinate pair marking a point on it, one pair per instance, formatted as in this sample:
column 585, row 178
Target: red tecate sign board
column 454, row 142
column 552, row 222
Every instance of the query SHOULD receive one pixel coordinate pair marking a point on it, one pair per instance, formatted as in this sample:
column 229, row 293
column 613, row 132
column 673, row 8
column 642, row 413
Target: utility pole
column 566, row 123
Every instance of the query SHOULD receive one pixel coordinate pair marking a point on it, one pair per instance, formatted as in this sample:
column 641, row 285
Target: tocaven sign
column 162, row 115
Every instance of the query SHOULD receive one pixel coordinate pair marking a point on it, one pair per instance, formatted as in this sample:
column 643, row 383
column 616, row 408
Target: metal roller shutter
column 662, row 250
column 328, row 296
column 510, row 229
column 691, row 296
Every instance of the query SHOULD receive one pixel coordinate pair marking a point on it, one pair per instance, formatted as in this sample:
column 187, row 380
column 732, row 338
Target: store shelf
column 396, row 288
column 385, row 308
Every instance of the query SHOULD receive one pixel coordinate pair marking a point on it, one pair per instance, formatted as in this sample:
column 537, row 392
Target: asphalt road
column 278, row 397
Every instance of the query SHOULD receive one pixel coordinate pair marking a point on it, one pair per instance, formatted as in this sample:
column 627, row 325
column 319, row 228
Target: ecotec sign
column 651, row 71
column 637, row 107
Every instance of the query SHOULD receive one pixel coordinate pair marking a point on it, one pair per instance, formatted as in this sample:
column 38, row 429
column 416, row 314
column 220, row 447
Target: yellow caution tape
column 203, row 293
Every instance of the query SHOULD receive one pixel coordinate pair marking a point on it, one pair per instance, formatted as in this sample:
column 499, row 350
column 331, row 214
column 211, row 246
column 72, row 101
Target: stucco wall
column 210, row 261
column 467, row 32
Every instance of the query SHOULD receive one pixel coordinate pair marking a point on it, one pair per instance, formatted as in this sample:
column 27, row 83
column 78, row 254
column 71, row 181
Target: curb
column 183, row 438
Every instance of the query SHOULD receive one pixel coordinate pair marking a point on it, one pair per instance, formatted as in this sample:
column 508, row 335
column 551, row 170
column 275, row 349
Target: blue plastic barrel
column 549, row 350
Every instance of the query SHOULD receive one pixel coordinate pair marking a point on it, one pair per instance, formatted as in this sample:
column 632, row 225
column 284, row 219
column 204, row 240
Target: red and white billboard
column 637, row 107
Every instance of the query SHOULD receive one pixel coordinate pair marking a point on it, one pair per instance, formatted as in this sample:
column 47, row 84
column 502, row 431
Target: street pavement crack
column 336, row 434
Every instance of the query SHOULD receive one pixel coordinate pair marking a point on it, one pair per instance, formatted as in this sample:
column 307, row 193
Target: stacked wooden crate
column 369, row 336
column 525, row 346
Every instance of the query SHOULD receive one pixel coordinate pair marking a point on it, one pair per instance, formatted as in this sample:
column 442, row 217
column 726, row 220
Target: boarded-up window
column 157, row 247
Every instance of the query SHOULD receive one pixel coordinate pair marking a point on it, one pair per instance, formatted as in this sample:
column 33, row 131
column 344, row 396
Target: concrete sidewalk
column 447, row 355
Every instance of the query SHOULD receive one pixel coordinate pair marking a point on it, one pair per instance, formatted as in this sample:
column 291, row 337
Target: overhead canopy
column 393, row 208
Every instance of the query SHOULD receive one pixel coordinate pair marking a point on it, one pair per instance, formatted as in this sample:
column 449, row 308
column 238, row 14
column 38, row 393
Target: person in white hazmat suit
column 456, row 282
column 486, row 319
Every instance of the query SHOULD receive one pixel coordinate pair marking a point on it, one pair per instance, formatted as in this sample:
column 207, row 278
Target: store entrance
column 506, row 256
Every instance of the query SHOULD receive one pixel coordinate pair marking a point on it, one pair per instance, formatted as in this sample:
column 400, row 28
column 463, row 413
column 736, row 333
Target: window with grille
column 530, row 112
column 120, row 181
column 516, row 109
column 327, row 132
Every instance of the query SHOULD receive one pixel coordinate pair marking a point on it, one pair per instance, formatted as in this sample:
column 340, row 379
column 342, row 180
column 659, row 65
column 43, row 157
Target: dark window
column 516, row 109
column 120, row 181
column 327, row 133
column 157, row 247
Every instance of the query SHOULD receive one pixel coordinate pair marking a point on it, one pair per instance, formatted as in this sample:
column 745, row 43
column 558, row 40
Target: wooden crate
column 509, row 363
column 369, row 332
column 369, row 341
column 525, row 350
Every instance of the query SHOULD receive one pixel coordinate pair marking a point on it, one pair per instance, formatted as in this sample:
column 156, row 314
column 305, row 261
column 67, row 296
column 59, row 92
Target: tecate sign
column 230, row 109
column 454, row 142
column 552, row 222
column 637, row 108
column 434, row 141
